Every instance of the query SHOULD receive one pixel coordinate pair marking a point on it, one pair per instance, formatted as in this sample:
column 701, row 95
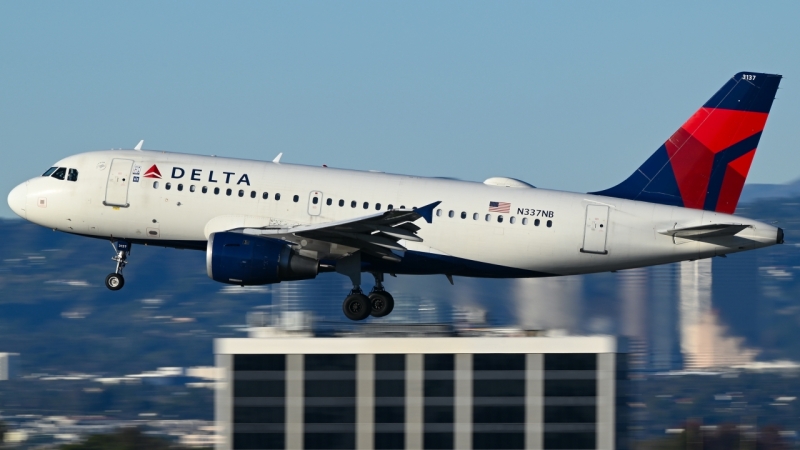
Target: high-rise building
column 422, row 393
column 704, row 340
column 9, row 363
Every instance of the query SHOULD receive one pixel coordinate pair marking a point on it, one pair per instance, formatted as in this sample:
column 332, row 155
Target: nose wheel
column 115, row 281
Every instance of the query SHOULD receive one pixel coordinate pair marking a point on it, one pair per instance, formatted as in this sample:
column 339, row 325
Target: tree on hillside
column 3, row 431
column 123, row 439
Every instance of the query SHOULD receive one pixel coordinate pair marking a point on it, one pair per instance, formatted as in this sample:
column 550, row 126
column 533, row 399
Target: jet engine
column 246, row 260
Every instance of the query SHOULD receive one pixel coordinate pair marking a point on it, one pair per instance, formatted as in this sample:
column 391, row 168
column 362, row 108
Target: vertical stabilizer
column 704, row 164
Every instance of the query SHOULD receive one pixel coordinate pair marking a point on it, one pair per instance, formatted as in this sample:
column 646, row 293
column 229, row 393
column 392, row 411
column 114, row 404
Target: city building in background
column 374, row 392
column 9, row 365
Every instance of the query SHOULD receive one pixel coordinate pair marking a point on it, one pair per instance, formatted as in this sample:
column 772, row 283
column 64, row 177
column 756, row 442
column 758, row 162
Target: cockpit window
column 72, row 175
column 60, row 173
column 49, row 171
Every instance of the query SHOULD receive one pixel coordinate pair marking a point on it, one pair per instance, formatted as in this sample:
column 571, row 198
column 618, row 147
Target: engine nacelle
column 247, row 260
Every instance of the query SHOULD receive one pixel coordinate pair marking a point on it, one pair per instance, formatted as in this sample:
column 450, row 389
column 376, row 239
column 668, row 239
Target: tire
column 382, row 303
column 115, row 281
column 356, row 307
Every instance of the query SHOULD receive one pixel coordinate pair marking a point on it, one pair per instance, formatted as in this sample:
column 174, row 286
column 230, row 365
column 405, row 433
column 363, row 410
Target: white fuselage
column 183, row 215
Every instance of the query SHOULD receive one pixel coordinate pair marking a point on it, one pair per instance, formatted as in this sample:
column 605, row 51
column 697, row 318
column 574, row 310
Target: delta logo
column 153, row 172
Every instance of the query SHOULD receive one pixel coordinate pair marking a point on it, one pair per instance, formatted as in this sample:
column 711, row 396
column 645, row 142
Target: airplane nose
column 17, row 199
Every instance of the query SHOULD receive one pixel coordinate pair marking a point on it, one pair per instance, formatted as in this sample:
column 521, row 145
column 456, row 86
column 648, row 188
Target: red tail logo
column 152, row 172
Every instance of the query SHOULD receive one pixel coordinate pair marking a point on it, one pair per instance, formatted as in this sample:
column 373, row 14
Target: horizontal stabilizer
column 706, row 231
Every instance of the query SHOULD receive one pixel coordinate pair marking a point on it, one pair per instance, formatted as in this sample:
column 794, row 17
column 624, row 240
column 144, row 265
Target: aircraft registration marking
column 535, row 212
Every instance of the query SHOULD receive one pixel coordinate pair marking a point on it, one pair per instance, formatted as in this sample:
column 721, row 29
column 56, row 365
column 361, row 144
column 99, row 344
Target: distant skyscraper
column 663, row 328
column 703, row 338
column 549, row 303
column 8, row 365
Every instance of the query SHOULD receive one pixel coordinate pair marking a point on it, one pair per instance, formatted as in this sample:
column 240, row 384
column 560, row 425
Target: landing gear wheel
column 382, row 303
column 115, row 281
column 356, row 306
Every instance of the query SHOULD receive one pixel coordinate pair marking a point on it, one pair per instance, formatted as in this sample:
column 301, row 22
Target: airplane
column 263, row 222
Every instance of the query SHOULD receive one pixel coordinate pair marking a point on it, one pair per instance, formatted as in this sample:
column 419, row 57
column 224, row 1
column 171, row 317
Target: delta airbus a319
column 268, row 222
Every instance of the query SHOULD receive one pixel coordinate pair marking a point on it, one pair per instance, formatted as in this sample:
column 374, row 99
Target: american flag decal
column 499, row 207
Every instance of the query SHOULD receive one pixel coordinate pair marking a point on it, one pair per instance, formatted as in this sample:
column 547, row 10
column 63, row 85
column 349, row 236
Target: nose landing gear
column 115, row 281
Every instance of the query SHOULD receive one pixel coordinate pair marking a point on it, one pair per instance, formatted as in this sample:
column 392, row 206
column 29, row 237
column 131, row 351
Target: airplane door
column 315, row 203
column 594, row 235
column 119, row 178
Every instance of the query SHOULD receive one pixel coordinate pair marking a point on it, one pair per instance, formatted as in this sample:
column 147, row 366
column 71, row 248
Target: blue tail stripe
column 653, row 182
column 721, row 161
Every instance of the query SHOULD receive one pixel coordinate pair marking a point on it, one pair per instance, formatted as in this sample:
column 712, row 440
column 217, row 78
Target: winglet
column 138, row 147
column 277, row 159
column 426, row 212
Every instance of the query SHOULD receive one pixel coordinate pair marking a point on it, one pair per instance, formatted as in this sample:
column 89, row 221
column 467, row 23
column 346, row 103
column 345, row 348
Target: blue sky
column 564, row 95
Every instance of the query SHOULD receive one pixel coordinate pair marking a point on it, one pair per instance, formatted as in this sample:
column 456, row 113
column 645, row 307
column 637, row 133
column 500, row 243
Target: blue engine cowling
column 246, row 260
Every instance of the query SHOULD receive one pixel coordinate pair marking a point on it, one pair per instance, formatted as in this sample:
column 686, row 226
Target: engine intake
column 246, row 260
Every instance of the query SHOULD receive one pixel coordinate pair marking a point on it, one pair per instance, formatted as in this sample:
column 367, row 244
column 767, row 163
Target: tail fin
column 704, row 164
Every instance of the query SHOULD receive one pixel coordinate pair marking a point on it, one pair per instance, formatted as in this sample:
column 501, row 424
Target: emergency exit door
column 594, row 235
column 315, row 203
column 119, row 178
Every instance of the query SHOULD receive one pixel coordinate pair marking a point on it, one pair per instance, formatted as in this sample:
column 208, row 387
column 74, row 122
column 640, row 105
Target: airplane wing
column 376, row 234
column 706, row 231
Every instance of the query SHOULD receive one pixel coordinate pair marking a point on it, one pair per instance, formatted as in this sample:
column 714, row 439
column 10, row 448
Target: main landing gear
column 115, row 281
column 379, row 303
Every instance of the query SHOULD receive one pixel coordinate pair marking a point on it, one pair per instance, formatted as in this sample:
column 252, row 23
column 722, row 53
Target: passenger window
column 73, row 175
column 180, row 187
column 389, row 207
column 265, row 195
column 451, row 214
column 438, row 213
column 168, row 186
column 204, row 190
column 463, row 214
column 216, row 191
column 228, row 192
column 475, row 216
column 353, row 204
column 191, row 188
column 536, row 222
column 500, row 218
column 60, row 173
column 377, row 206
column 524, row 220
column 315, row 200
column 329, row 201
column 512, row 219
column 488, row 217
column 366, row 205
column 549, row 223
column 341, row 202
column 277, row 197
column 252, row 194
column 49, row 171
column 241, row 192
column 296, row 198
column 155, row 184
column 402, row 206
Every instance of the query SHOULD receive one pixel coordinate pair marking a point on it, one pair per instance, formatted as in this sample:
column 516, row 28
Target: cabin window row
column 488, row 218
column 229, row 192
column 277, row 196
column 354, row 204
